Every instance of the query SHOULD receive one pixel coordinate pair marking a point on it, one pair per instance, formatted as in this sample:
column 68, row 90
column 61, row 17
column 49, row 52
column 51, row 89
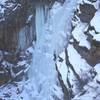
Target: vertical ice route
column 51, row 37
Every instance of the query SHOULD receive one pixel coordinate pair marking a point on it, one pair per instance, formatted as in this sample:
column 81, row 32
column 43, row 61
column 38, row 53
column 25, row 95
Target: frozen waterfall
column 52, row 36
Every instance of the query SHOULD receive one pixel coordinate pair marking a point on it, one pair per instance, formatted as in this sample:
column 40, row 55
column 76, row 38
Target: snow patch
column 78, row 34
column 97, row 37
column 96, row 21
column 76, row 60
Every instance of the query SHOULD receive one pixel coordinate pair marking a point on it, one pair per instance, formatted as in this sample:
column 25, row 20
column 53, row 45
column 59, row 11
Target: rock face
column 86, row 43
column 87, row 46
column 12, row 20
column 16, row 34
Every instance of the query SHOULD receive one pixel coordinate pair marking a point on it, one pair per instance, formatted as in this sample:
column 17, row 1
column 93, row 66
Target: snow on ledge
column 97, row 68
column 96, row 21
column 78, row 34
column 81, row 67
column 76, row 60
column 97, row 37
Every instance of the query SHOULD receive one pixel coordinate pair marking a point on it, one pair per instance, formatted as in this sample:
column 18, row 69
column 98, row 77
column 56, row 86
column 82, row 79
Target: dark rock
column 95, row 50
column 87, row 12
column 95, row 43
column 4, row 77
column 92, row 1
column 11, row 58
